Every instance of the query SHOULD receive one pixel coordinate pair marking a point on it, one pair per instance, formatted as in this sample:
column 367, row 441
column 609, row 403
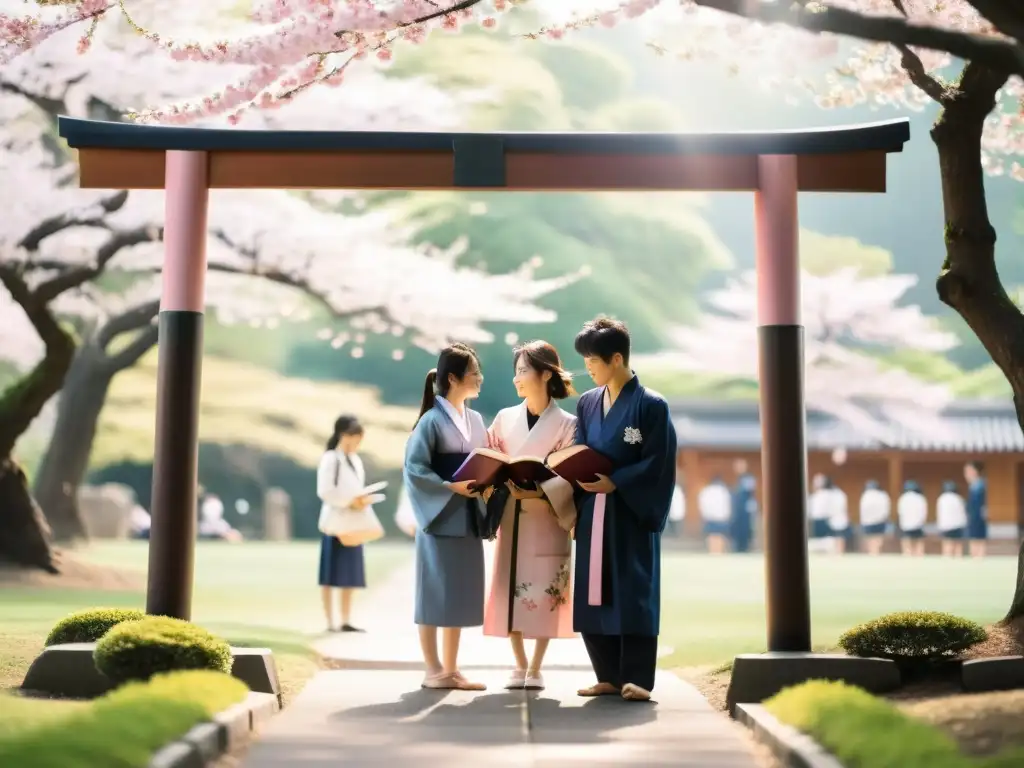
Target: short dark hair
column 603, row 337
column 977, row 466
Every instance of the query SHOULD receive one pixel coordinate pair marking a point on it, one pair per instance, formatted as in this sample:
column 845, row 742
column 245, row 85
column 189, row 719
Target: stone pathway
column 371, row 710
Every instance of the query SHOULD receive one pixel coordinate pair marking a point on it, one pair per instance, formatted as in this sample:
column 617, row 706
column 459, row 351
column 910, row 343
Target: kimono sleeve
column 646, row 486
column 560, row 493
column 428, row 494
column 334, row 486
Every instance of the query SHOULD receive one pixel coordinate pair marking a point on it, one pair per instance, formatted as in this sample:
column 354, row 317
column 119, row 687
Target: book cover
column 579, row 464
column 483, row 467
column 487, row 467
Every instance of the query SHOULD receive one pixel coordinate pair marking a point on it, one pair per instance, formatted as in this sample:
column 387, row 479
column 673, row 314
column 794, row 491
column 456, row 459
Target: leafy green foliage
column 127, row 726
column 137, row 650
column 912, row 636
column 89, row 626
column 863, row 731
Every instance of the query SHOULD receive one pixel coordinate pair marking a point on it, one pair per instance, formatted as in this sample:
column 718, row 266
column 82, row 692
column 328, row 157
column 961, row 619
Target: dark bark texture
column 66, row 461
column 969, row 281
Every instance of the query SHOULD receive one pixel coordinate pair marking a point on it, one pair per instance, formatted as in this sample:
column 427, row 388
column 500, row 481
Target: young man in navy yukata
column 617, row 592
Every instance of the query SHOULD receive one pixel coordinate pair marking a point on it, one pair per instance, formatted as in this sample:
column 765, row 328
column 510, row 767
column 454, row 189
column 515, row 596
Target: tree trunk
column 24, row 534
column 62, row 470
column 969, row 281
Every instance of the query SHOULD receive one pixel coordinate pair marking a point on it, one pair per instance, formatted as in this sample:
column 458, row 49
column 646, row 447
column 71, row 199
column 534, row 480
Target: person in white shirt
column 951, row 519
column 818, row 509
column 838, row 517
column 212, row 524
column 140, row 522
column 875, row 511
column 677, row 510
column 715, row 505
column 912, row 513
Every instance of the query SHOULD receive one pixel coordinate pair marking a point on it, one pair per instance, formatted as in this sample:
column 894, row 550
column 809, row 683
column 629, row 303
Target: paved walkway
column 371, row 711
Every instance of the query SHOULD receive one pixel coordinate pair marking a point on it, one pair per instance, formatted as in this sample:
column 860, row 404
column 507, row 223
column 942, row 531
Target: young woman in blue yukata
column 617, row 590
column 977, row 508
column 339, row 477
column 449, row 551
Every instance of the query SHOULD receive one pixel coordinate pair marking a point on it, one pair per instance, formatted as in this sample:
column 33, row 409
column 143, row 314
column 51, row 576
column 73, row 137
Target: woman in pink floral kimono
column 531, row 593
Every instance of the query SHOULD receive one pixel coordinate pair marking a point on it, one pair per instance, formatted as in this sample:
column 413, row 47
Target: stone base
column 1002, row 673
column 68, row 671
column 759, row 676
column 256, row 668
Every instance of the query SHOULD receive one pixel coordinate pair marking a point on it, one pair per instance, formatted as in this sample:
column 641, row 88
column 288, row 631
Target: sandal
column 453, row 681
column 516, row 680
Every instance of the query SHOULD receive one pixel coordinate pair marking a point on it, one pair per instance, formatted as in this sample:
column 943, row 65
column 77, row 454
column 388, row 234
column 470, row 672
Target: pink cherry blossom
column 288, row 47
column 843, row 312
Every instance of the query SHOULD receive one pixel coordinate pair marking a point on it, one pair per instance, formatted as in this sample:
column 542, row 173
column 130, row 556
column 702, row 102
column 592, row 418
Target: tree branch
column 136, row 348
column 76, row 276
column 139, row 316
column 89, row 216
column 1005, row 16
column 284, row 278
column 1001, row 54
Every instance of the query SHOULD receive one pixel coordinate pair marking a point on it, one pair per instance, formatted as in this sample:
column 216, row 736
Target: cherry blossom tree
column 848, row 321
column 357, row 267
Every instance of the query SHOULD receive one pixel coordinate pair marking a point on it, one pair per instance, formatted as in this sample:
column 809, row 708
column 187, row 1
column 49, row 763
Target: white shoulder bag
column 352, row 527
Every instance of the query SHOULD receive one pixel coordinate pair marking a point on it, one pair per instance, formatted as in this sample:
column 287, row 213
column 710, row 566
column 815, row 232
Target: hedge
column 864, row 731
column 127, row 726
column 913, row 636
column 89, row 626
column 136, row 650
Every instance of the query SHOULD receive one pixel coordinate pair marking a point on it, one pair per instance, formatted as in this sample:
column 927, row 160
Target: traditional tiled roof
column 972, row 426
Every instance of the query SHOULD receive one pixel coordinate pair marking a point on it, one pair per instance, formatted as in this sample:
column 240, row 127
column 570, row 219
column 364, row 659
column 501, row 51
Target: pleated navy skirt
column 341, row 566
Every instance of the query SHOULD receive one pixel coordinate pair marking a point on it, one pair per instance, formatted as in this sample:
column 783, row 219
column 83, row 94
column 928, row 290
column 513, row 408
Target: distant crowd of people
column 729, row 515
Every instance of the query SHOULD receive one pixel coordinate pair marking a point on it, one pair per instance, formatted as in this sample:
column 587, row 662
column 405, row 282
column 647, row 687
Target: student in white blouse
column 838, row 517
column 912, row 512
column 875, row 511
column 715, row 505
column 951, row 519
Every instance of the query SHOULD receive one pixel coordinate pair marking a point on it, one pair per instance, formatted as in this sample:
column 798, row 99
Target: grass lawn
column 255, row 593
column 713, row 607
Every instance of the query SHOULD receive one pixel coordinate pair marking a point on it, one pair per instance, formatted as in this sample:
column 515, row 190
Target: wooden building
column 714, row 434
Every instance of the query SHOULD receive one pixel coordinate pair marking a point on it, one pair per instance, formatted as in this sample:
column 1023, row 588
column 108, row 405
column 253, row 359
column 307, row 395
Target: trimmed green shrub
column 124, row 728
column 913, row 636
column 864, row 731
column 136, row 650
column 89, row 626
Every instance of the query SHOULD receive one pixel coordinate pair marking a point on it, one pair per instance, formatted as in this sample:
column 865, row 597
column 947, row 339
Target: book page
column 373, row 488
column 491, row 454
column 558, row 457
column 526, row 459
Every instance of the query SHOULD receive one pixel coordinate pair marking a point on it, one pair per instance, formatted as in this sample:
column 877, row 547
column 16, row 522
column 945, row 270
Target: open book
column 372, row 492
column 577, row 463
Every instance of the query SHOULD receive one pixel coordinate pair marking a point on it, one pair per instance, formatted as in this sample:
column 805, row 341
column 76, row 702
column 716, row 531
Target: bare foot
column 631, row 692
column 601, row 689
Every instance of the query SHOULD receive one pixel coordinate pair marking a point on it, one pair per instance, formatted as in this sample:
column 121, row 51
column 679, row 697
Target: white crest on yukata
column 632, row 436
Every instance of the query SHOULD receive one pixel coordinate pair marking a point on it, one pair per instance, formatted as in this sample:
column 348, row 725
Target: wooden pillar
column 695, row 480
column 176, row 452
column 783, row 417
column 895, row 485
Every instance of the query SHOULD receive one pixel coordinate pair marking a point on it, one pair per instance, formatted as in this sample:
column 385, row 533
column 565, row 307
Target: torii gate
column 775, row 166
